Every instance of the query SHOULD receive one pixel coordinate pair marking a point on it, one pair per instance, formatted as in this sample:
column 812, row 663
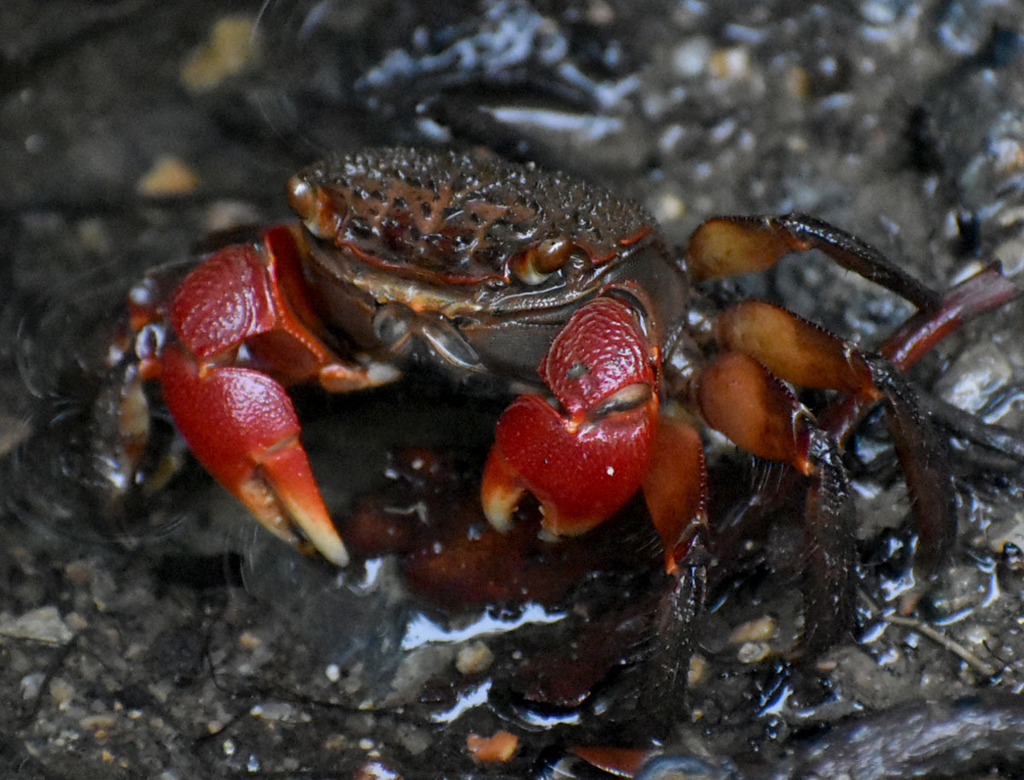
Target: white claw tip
column 335, row 552
column 499, row 505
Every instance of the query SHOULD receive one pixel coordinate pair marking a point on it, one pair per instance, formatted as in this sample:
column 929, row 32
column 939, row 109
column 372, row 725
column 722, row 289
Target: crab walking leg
column 675, row 489
column 241, row 426
column 723, row 246
column 584, row 454
column 986, row 290
column 742, row 399
column 801, row 352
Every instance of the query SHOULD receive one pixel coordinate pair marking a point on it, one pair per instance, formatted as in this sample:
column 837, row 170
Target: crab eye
column 321, row 214
column 301, row 197
column 538, row 262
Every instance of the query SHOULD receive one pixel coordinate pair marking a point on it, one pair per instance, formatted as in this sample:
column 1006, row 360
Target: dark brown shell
column 462, row 217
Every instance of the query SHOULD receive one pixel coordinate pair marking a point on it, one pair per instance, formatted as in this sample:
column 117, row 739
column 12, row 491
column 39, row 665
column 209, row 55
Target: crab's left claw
column 584, row 453
column 241, row 425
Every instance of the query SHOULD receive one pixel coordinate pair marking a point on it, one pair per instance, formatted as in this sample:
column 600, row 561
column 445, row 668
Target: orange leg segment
column 800, row 352
column 738, row 396
column 675, row 488
column 723, row 246
column 793, row 348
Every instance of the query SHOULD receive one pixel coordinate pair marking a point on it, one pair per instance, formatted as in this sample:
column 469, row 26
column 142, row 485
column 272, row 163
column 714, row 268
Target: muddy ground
column 151, row 630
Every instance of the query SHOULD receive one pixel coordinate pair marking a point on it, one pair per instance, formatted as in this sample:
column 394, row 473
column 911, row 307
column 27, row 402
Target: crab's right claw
column 242, row 427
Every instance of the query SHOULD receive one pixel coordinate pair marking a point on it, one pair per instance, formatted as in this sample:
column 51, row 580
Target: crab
column 504, row 279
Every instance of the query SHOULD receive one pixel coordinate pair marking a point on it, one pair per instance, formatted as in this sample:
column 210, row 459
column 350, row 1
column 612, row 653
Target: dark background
column 129, row 647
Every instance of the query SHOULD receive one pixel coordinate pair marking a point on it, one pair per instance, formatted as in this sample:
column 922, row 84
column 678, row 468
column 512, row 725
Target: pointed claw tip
column 334, row 551
column 499, row 506
column 500, row 491
column 315, row 522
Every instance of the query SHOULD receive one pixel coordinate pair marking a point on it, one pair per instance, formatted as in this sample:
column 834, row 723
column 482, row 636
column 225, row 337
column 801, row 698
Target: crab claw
column 241, row 425
column 584, row 454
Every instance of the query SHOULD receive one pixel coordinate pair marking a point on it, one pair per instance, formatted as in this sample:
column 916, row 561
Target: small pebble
column 375, row 770
column 337, row 742
column 228, row 49
column 1011, row 254
column 250, row 640
column 798, row 82
column 753, row 652
column 978, row 372
column 731, row 64
column 698, row 670
column 31, row 684
column 274, row 711
column 229, row 214
column 499, row 747
column 760, row 630
column 42, row 625
column 474, row 658
column 168, row 176
column 691, row 57
column 62, row 692
column 668, row 206
column 99, row 724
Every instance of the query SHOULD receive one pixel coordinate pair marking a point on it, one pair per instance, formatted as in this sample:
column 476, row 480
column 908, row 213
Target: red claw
column 241, row 305
column 586, row 457
column 241, row 425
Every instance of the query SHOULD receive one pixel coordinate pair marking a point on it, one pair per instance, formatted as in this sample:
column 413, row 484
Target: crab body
column 506, row 278
column 478, row 260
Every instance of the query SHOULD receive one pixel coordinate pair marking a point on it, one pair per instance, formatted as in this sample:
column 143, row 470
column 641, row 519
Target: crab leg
column 986, row 290
column 982, row 292
column 675, row 489
column 723, row 246
column 800, row 352
column 741, row 398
